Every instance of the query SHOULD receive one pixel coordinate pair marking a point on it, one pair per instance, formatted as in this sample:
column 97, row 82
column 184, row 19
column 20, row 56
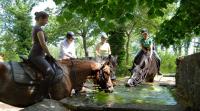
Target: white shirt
column 67, row 49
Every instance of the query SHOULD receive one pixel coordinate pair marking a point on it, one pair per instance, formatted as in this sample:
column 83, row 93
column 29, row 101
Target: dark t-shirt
column 36, row 48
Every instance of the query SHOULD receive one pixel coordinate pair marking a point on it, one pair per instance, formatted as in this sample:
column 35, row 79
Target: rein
column 101, row 75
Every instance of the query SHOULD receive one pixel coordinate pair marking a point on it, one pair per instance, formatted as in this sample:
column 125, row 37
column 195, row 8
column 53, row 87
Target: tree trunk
column 84, row 45
column 175, row 49
column 127, row 48
column 179, row 50
column 186, row 46
column 117, row 44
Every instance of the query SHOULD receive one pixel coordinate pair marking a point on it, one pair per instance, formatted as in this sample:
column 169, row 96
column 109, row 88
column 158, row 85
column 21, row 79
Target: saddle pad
column 19, row 74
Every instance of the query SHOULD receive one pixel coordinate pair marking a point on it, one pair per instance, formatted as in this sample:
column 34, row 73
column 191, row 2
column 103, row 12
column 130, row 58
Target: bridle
column 102, row 81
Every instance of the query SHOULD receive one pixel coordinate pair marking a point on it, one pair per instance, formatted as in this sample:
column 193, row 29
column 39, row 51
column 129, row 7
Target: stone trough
column 117, row 101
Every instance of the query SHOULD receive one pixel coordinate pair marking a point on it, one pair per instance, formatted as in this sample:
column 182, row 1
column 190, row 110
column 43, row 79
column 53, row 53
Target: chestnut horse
column 75, row 73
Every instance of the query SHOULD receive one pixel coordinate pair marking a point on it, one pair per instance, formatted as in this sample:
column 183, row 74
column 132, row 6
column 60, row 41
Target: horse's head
column 103, row 77
column 112, row 63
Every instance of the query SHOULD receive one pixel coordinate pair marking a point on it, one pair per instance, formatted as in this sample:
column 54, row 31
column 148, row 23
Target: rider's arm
column 41, row 39
column 143, row 48
column 151, row 50
column 109, row 51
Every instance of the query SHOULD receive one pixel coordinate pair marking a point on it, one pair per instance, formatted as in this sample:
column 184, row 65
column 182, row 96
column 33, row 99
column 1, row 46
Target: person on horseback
column 103, row 51
column 67, row 47
column 146, row 43
column 39, row 51
column 103, row 48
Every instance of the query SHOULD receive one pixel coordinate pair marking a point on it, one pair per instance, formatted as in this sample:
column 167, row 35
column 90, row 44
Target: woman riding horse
column 75, row 73
column 144, row 60
column 39, row 51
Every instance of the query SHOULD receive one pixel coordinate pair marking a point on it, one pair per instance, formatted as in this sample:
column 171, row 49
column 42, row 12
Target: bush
column 168, row 64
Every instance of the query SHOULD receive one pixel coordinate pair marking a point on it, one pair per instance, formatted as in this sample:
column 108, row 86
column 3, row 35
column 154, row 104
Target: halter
column 101, row 75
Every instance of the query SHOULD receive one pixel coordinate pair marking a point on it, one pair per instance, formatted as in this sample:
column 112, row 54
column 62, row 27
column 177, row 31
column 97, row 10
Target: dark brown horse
column 145, row 71
column 75, row 73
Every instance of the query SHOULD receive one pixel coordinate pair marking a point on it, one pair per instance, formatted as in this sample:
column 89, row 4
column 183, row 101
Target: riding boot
column 158, row 66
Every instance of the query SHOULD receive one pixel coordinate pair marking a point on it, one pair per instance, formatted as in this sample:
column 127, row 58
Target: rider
column 146, row 43
column 67, row 47
column 39, row 51
column 103, row 48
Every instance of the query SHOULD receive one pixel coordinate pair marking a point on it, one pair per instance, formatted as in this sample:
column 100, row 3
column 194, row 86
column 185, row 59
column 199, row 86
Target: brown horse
column 75, row 73
column 113, row 64
column 145, row 71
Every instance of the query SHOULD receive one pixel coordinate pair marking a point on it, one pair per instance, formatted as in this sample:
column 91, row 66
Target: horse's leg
column 153, row 70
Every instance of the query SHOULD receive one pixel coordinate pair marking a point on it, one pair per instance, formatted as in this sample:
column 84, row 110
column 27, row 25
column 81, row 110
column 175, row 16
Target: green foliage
column 185, row 22
column 123, row 70
column 107, row 12
column 54, row 50
column 16, row 27
column 168, row 64
column 8, row 47
column 117, row 42
column 58, row 27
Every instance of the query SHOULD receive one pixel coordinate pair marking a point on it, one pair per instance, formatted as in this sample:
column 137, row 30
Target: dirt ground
column 6, row 107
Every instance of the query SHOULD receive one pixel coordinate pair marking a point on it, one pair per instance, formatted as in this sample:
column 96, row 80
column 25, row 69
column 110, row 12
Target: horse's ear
column 108, row 63
column 109, row 56
column 115, row 57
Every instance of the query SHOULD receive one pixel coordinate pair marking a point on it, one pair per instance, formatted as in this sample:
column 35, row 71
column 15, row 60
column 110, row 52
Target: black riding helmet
column 144, row 30
column 70, row 35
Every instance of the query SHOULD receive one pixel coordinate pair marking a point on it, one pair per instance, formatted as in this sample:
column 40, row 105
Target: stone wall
column 188, row 81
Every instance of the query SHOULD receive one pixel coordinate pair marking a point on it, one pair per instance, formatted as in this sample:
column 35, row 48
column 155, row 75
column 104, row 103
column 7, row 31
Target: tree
column 110, row 14
column 17, row 24
column 182, row 25
column 82, row 27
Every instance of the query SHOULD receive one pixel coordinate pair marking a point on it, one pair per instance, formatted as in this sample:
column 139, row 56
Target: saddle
column 25, row 73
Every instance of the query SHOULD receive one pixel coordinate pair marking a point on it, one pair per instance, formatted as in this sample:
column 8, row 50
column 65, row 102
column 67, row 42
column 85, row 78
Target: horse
column 75, row 73
column 144, row 71
column 113, row 64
